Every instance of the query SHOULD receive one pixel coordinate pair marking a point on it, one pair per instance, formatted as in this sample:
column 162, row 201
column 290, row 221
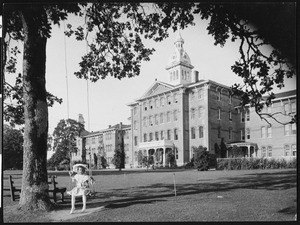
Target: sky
column 107, row 99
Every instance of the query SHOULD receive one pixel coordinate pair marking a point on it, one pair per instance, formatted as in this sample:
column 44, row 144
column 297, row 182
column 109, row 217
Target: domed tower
column 179, row 65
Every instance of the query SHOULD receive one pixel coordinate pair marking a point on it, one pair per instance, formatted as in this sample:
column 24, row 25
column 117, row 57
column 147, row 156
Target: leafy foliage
column 12, row 148
column 119, row 159
column 117, row 49
column 235, row 151
column 170, row 159
column 260, row 68
column 243, row 163
column 119, row 156
column 64, row 136
column 201, row 158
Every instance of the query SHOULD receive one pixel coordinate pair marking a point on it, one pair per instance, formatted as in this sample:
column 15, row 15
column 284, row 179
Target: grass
column 141, row 196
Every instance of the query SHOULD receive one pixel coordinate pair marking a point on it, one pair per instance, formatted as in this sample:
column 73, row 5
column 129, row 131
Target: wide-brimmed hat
column 75, row 167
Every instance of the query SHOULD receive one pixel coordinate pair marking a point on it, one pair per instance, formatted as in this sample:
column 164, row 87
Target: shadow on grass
column 161, row 192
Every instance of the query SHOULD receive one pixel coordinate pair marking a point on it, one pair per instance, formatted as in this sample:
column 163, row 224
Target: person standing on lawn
column 83, row 182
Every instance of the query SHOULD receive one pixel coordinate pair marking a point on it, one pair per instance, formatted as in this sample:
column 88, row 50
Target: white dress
column 82, row 185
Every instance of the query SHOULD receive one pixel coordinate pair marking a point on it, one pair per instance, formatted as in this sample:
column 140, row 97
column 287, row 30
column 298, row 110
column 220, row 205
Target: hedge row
column 254, row 163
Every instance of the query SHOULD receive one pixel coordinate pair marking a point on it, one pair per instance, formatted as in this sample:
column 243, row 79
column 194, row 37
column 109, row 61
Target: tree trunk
column 34, row 195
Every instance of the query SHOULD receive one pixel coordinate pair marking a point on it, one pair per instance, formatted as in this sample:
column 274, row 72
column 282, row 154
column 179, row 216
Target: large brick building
column 190, row 111
column 184, row 113
column 274, row 138
column 103, row 143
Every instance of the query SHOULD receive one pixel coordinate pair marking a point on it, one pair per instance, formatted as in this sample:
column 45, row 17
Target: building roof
column 286, row 94
column 114, row 127
column 84, row 133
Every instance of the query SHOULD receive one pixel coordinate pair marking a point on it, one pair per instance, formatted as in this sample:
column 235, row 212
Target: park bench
column 12, row 189
column 52, row 188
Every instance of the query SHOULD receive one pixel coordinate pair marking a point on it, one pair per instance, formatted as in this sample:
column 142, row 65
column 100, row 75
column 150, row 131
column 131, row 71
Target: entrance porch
column 161, row 147
column 250, row 149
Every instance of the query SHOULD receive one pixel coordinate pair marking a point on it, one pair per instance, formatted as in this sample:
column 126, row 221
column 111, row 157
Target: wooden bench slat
column 52, row 181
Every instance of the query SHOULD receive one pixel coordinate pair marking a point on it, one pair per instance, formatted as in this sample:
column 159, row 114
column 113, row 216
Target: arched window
column 193, row 134
column 201, row 132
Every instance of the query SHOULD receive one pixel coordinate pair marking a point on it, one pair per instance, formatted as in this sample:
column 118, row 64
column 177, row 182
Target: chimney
column 109, row 126
column 120, row 125
column 196, row 76
column 80, row 119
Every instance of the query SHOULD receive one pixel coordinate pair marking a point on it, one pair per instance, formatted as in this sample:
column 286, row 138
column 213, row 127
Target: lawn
column 141, row 196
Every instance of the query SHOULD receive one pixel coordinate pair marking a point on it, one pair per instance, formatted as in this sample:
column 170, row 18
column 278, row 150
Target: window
column 219, row 113
column 156, row 136
column 161, row 118
column 169, row 134
column 219, row 95
column 145, row 106
column 248, row 115
column 168, row 100
column 287, row 129
column 134, row 110
column 219, row 132
column 242, row 135
column 269, row 131
column 162, row 101
column 263, row 132
column 200, row 93
column 248, row 133
column 145, row 121
column 175, row 98
column 230, row 116
column 168, row 117
column 269, row 151
column 242, row 117
column 193, row 135
column 192, row 113
column 175, row 115
column 287, row 150
column 156, row 119
column 287, row 108
column 176, row 153
column 294, row 150
column 135, row 125
column 150, row 137
column 135, row 140
column 230, row 133
column 201, row 132
column 175, row 134
column 263, row 152
column 200, row 112
column 192, row 95
column 156, row 103
column 162, row 135
column 150, row 104
column 150, row 120
column 230, row 98
column 145, row 137
column 293, row 128
column 293, row 107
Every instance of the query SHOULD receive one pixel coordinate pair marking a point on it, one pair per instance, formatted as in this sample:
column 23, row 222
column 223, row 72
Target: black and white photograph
column 148, row 111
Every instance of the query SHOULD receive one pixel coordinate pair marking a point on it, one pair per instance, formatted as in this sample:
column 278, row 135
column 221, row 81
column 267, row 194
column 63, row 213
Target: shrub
column 254, row 163
column 201, row 159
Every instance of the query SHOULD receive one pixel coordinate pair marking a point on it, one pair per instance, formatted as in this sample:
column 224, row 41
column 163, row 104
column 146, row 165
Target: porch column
column 164, row 157
column 249, row 155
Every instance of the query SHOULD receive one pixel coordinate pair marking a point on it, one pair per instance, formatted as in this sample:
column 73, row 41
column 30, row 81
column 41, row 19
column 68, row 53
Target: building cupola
column 179, row 65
